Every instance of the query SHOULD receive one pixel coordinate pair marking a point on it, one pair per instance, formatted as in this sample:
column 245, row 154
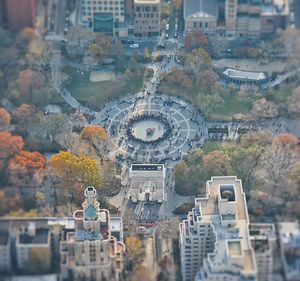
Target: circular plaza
column 151, row 129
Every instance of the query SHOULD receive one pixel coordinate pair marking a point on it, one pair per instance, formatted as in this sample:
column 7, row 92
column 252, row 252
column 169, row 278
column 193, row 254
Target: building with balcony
column 263, row 241
column 146, row 183
column 90, row 251
column 289, row 240
column 146, row 18
column 214, row 239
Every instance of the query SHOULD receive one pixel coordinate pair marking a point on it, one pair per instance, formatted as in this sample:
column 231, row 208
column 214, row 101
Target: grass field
column 99, row 93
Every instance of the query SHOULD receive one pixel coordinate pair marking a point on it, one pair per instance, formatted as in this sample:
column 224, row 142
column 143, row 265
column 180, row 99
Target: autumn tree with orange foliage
column 195, row 38
column 93, row 131
column 4, row 118
column 9, row 146
column 75, row 172
column 24, row 166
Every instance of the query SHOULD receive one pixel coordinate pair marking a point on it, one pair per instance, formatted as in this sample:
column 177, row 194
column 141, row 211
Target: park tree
column 195, row 39
column 27, row 81
column 294, row 103
column 179, row 77
column 279, row 157
column 140, row 272
column 264, row 109
column 101, row 47
column 93, row 131
column 289, row 39
column 52, row 126
column 4, row 118
column 10, row 145
column 24, row 116
column 197, row 60
column 73, row 168
column 260, row 138
column 217, row 163
column 39, row 260
column 23, row 168
column 96, row 138
column 134, row 249
column 207, row 81
column 147, row 54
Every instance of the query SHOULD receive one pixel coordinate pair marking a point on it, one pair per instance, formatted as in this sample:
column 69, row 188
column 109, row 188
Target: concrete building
column 146, row 18
column 31, row 238
column 106, row 16
column 90, row 251
column 289, row 239
column 5, row 251
column 274, row 15
column 147, row 183
column 214, row 239
column 236, row 18
column 200, row 14
column 244, row 77
column 16, row 14
column 263, row 241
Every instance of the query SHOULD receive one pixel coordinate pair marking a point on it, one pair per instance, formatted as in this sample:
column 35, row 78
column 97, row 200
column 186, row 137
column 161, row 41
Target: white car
column 134, row 46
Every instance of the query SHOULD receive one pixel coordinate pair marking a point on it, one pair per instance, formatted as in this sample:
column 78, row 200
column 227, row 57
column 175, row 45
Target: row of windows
column 105, row 8
column 139, row 15
column 101, row 2
column 147, row 22
column 145, row 9
column 89, row 14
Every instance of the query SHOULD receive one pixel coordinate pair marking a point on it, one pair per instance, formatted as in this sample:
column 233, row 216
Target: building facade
column 146, row 18
column 31, row 238
column 5, row 251
column 263, row 241
column 214, row 239
column 289, row 240
column 16, row 14
column 200, row 15
column 236, row 18
column 106, row 16
column 91, row 252
column 146, row 183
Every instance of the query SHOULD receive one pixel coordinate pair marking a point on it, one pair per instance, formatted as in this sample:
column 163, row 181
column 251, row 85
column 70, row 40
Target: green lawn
column 99, row 93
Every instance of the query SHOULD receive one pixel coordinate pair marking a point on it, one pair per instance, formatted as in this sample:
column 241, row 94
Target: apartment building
column 146, row 18
column 289, row 239
column 91, row 252
column 236, row 18
column 214, row 239
column 16, row 14
column 106, row 16
column 5, row 251
column 263, row 241
column 30, row 238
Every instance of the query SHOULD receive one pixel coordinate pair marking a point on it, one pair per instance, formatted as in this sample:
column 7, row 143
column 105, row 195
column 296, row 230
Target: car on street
column 161, row 46
column 134, row 46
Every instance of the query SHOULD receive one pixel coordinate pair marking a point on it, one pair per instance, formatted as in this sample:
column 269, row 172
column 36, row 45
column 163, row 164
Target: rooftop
column 234, row 237
column 209, row 7
column 40, row 237
column 247, row 75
